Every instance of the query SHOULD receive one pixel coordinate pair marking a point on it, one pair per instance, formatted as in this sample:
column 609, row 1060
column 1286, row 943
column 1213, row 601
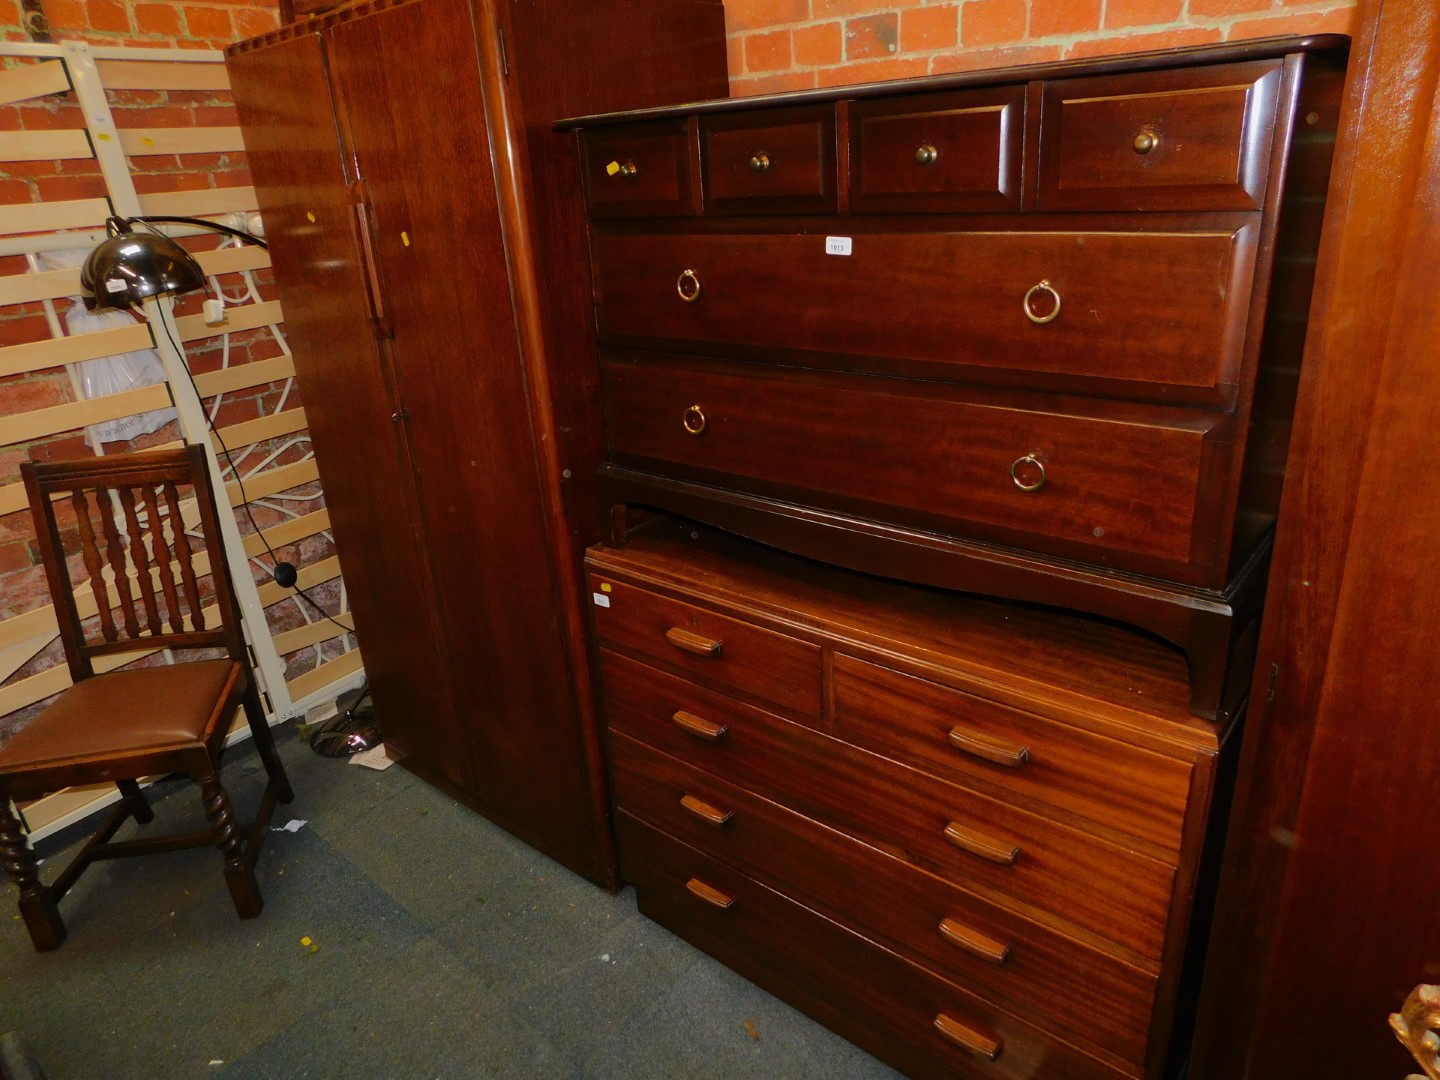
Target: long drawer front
column 1165, row 311
column 1051, row 872
column 922, row 1024
column 1119, row 488
column 957, row 935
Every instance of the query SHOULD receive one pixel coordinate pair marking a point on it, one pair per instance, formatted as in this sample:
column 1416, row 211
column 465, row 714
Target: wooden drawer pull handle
column 760, row 162
column 701, row 729
column 711, row 815
column 926, row 155
column 972, row 941
column 710, row 894
column 694, row 644
column 989, row 849
column 968, row 1038
column 983, row 746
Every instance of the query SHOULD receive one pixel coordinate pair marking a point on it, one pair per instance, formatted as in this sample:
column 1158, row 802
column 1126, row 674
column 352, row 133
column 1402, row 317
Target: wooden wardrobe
column 422, row 219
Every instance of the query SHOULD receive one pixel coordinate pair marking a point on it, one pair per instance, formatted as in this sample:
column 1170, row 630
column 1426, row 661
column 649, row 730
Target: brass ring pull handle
column 694, row 420
column 1038, row 320
column 974, row 942
column 990, row 749
column 927, row 155
column 760, row 162
column 698, row 726
column 977, row 843
column 967, row 1038
column 1146, row 141
column 688, row 286
column 710, row 894
column 693, row 644
column 1029, row 463
column 711, row 815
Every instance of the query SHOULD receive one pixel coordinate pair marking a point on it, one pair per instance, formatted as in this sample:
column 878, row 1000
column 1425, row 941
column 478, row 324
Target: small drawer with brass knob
column 1198, row 139
column 771, row 162
column 646, row 170
column 952, row 152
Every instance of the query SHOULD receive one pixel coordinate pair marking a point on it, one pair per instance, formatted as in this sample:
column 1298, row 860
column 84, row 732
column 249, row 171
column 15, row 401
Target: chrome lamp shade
column 130, row 266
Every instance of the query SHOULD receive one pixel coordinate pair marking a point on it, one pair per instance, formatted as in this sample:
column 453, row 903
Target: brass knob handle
column 1031, row 467
column 694, row 420
column 760, row 162
column 1040, row 320
column 626, row 170
column 927, row 155
column 1146, row 141
column 688, row 286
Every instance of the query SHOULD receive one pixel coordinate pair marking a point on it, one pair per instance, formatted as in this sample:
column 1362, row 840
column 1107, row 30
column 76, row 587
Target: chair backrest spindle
column 139, row 553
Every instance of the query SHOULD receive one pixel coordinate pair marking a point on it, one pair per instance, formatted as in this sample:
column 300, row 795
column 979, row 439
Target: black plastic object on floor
column 352, row 728
column 15, row 1061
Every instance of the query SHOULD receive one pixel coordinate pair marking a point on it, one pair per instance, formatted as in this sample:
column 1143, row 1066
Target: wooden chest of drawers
column 964, row 834
column 1030, row 333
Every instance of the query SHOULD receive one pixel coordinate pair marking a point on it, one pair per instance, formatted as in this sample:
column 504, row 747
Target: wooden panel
column 138, row 142
column 324, row 570
column 295, row 529
column 644, row 170
column 266, row 427
column 867, row 993
column 32, row 80
column 46, row 285
column 1057, row 875
column 321, row 629
column 233, row 259
column 325, row 675
column 204, row 202
column 952, row 152
column 26, row 427
column 895, row 905
column 1123, row 489
column 774, row 162
column 43, row 145
column 161, row 75
column 242, row 376
column 955, row 302
column 1195, row 139
column 281, row 478
column 53, row 352
column 757, row 661
column 48, row 217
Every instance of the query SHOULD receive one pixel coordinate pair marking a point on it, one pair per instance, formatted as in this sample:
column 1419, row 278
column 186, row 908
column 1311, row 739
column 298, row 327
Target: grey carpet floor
column 443, row 947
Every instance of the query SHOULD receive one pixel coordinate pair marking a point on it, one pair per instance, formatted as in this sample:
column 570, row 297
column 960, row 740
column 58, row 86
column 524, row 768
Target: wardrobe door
column 285, row 105
column 410, row 81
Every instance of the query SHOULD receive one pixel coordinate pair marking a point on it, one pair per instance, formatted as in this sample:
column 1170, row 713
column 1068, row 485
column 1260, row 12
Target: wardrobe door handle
column 711, row 815
column 988, row 848
column 710, row 894
column 983, row 746
column 974, row 942
column 700, row 728
column 694, row 644
column 968, row 1038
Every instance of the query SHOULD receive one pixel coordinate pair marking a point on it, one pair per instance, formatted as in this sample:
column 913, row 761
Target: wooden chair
column 116, row 726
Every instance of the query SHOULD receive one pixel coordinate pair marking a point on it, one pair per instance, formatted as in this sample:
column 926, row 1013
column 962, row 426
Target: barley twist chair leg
column 37, row 906
column 239, row 873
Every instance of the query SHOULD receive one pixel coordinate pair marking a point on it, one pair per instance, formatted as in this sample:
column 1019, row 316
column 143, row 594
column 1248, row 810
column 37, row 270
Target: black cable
column 240, row 234
column 245, row 499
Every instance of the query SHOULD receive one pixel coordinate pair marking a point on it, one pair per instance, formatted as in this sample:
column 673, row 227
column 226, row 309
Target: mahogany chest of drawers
column 962, row 833
column 1030, row 333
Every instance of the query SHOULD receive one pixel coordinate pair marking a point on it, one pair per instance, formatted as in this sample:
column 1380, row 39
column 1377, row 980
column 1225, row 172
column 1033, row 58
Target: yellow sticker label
column 605, row 586
column 405, row 238
column 612, row 168
column 310, row 217
column 103, row 137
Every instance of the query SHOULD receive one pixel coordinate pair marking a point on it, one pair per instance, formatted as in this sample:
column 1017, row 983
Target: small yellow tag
column 604, row 586
column 310, row 217
column 612, row 168
column 405, row 238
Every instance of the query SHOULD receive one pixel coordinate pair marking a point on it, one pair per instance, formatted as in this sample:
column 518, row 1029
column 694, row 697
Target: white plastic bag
column 116, row 374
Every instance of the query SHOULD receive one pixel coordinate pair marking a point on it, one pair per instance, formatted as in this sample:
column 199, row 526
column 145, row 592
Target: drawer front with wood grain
column 949, row 733
column 770, row 162
column 922, row 1024
column 959, row 936
column 1120, row 489
column 643, row 170
column 1054, row 873
column 737, row 654
column 956, row 152
column 1192, row 139
column 1145, row 315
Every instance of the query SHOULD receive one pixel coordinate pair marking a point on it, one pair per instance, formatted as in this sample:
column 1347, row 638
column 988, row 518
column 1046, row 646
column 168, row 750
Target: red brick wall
column 796, row 44
column 148, row 22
